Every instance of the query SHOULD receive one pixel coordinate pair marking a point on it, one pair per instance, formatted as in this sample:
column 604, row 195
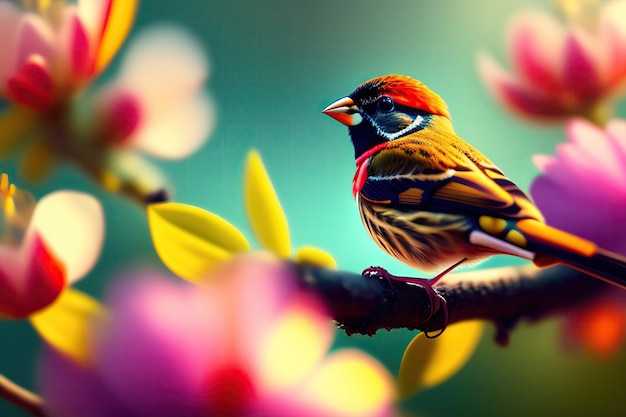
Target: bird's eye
column 385, row 104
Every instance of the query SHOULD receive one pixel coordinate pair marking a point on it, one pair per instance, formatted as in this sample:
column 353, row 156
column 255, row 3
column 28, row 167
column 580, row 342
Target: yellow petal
column 64, row 325
column 15, row 123
column 349, row 383
column 265, row 214
column 293, row 346
column 190, row 240
column 314, row 256
column 429, row 362
column 72, row 224
column 37, row 161
column 117, row 23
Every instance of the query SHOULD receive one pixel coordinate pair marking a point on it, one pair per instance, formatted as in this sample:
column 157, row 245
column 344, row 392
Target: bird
column 433, row 201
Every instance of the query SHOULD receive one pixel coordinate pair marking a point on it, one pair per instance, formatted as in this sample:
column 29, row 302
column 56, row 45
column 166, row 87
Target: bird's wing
column 419, row 176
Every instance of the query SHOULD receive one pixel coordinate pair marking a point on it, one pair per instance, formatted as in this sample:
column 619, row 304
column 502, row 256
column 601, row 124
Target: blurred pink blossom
column 582, row 189
column 247, row 344
column 49, row 53
column 157, row 104
column 561, row 69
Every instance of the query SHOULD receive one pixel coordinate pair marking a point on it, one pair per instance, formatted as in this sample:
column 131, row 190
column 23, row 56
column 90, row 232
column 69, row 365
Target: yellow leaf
column 117, row 24
column 15, row 124
column 429, row 362
column 265, row 214
column 190, row 240
column 64, row 325
column 314, row 256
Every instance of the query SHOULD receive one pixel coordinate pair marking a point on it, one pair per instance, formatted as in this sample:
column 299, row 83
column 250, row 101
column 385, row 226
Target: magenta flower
column 582, row 189
column 561, row 69
column 248, row 344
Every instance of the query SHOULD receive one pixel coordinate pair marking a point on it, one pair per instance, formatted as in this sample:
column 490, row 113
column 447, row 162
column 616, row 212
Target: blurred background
column 274, row 65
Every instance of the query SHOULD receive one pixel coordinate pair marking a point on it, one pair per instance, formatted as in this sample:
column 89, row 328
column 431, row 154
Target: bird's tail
column 554, row 246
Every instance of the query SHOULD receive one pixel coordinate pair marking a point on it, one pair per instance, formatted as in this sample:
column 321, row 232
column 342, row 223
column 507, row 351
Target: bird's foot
column 378, row 272
column 438, row 304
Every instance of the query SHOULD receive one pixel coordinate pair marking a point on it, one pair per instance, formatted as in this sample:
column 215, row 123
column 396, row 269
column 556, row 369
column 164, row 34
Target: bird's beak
column 345, row 111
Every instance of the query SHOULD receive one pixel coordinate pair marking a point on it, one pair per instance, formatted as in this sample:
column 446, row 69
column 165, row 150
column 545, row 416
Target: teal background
column 274, row 65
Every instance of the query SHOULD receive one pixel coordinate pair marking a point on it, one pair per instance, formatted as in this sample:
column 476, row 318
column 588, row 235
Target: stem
column 90, row 157
column 21, row 397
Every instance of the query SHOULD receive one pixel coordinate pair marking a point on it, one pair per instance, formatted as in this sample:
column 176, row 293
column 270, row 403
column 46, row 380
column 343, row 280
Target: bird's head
column 385, row 109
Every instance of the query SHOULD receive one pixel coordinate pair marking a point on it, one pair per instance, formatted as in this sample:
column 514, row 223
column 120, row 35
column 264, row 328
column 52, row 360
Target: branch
column 365, row 304
column 21, row 397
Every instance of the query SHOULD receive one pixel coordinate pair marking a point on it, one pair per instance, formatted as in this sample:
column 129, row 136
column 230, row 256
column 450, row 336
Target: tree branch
column 365, row 304
column 21, row 397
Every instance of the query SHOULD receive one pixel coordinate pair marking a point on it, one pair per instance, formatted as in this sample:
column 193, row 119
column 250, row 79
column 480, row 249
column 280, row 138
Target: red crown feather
column 410, row 92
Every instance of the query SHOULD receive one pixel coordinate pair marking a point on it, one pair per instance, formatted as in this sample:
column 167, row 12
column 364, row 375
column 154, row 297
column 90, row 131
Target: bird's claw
column 377, row 272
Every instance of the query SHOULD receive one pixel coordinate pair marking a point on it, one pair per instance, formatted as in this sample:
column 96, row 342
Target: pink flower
column 156, row 104
column 247, row 344
column 48, row 56
column 582, row 189
column 561, row 69
column 61, row 241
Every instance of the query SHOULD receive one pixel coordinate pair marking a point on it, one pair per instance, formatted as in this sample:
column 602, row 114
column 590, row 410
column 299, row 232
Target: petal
column 76, row 46
column 163, row 65
column 429, row 362
column 121, row 113
column 293, row 345
column 9, row 23
column 72, row 224
column 190, row 241
column 535, row 44
column 265, row 214
column 612, row 32
column 582, row 73
column 178, row 132
column 30, row 279
column 592, row 143
column 116, row 23
column 35, row 37
column 32, row 85
column 160, row 343
column 518, row 97
column 314, row 256
column 65, row 324
column 348, row 383
column 163, row 70
column 74, row 390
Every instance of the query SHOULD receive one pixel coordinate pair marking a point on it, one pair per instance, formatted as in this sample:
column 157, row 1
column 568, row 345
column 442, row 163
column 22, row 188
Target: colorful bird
column 433, row 201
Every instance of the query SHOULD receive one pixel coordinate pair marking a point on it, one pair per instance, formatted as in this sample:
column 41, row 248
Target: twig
column 504, row 296
column 21, row 397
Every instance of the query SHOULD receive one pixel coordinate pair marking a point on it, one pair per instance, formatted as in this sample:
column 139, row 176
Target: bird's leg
column 437, row 301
